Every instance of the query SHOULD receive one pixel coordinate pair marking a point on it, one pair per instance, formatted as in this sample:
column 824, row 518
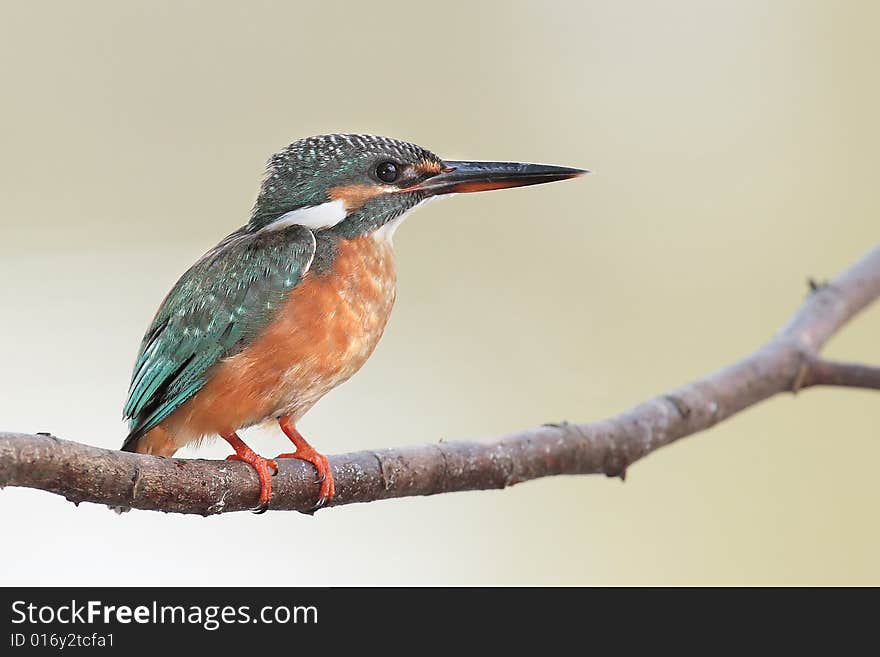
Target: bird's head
column 359, row 184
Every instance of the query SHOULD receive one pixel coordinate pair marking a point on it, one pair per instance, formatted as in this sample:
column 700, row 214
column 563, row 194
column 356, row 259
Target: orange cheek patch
column 355, row 196
column 431, row 168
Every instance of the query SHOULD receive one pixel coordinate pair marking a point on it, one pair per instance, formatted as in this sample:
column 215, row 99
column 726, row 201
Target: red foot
column 260, row 464
column 306, row 452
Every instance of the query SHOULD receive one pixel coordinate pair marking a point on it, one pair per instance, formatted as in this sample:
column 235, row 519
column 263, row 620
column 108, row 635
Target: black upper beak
column 459, row 177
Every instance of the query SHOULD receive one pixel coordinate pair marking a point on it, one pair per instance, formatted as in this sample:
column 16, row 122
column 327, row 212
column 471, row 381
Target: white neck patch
column 315, row 217
column 386, row 231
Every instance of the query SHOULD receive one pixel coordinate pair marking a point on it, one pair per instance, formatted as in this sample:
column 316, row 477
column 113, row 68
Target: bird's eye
column 387, row 172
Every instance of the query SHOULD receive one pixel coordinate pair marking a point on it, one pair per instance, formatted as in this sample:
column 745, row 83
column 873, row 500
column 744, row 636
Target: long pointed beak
column 459, row 176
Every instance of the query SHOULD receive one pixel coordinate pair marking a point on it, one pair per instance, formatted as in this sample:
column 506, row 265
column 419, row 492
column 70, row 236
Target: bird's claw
column 265, row 468
column 325, row 476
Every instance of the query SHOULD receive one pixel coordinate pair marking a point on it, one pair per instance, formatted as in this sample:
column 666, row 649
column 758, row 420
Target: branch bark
column 789, row 362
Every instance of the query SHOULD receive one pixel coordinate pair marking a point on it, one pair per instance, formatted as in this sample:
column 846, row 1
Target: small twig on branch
column 821, row 372
column 787, row 363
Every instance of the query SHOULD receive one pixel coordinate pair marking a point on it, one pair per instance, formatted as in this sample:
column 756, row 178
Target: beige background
column 735, row 146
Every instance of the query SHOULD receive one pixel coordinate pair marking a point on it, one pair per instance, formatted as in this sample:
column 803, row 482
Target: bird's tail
column 156, row 441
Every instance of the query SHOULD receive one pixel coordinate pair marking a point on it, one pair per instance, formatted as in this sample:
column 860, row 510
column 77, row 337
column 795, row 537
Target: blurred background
column 734, row 146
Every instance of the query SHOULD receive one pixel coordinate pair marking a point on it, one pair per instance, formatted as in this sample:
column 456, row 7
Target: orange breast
column 324, row 332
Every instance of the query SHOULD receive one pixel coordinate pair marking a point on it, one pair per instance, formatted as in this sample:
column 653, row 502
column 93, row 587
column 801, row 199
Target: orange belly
column 323, row 333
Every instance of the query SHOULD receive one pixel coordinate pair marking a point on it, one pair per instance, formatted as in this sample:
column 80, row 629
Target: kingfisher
column 293, row 303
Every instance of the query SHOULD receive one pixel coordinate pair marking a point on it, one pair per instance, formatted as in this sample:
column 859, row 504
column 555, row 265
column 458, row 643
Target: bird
column 293, row 303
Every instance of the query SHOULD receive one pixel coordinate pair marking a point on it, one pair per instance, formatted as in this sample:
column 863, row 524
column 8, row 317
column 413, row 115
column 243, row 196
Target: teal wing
column 216, row 308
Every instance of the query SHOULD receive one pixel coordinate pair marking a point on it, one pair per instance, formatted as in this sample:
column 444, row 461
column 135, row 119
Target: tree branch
column 789, row 362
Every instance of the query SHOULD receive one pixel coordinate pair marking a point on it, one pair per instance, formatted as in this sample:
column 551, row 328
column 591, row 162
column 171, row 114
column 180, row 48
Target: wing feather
column 216, row 308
